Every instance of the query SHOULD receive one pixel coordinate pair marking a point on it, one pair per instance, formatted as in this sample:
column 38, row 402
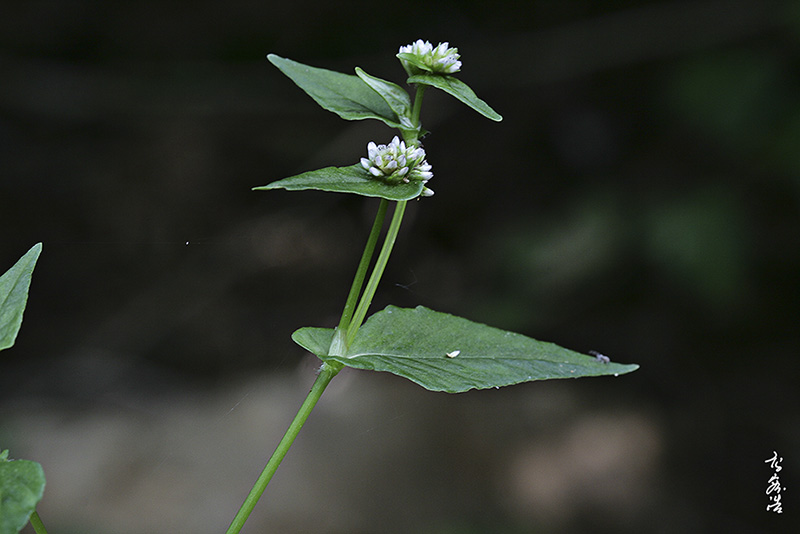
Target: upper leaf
column 344, row 94
column 14, row 285
column 353, row 179
column 21, row 488
column 458, row 89
column 442, row 352
column 395, row 96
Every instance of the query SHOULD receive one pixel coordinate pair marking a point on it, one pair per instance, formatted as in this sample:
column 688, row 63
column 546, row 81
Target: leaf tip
column 275, row 59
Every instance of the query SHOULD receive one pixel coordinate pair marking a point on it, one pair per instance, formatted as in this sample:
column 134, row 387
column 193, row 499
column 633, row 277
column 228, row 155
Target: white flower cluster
column 439, row 60
column 396, row 162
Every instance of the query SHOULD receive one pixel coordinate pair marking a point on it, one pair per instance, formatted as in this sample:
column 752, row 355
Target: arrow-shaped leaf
column 442, row 352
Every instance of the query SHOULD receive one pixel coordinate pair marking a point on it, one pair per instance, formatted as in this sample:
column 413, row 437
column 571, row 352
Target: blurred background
column 640, row 198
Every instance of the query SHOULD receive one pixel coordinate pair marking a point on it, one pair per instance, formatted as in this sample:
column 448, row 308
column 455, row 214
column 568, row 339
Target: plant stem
column 415, row 111
column 361, row 272
column 377, row 271
column 36, row 523
column 349, row 323
column 326, row 373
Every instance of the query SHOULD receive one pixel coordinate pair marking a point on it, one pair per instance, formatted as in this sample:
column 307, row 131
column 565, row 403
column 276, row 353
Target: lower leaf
column 21, row 489
column 442, row 352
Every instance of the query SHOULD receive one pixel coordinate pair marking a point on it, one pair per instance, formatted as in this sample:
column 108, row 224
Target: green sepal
column 455, row 87
column 344, row 94
column 413, row 59
column 418, row 343
column 21, row 488
column 353, row 179
column 14, row 285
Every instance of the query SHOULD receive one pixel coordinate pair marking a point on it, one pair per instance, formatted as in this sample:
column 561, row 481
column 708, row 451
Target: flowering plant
column 438, row 351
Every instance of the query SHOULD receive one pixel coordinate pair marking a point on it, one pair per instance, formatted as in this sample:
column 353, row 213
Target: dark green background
column 640, row 198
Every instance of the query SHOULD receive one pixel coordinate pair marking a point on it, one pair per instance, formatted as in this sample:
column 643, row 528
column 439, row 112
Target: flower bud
column 420, row 57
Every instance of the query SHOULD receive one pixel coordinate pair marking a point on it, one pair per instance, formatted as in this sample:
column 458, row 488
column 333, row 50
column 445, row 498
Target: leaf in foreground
column 14, row 285
column 21, row 489
column 442, row 352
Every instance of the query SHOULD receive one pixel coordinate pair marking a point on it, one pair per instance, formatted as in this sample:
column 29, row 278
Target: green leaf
column 314, row 340
column 14, row 286
column 353, row 179
column 344, row 94
column 458, row 89
column 418, row 344
column 395, row 96
column 21, row 489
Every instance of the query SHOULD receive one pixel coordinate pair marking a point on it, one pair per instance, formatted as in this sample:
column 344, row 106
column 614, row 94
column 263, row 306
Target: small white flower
column 396, row 162
column 439, row 60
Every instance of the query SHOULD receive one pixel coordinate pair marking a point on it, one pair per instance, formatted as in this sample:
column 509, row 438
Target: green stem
column 326, row 373
column 377, row 271
column 350, row 322
column 415, row 112
column 361, row 272
column 36, row 523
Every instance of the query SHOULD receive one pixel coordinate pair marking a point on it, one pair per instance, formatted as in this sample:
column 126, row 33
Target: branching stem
column 363, row 266
column 377, row 271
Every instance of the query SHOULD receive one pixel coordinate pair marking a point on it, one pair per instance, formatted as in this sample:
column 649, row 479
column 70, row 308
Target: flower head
column 395, row 162
column 421, row 57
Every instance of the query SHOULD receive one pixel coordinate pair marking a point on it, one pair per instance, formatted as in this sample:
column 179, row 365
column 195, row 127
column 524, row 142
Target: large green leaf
column 442, row 352
column 21, row 489
column 344, row 94
column 14, row 286
column 353, row 179
column 458, row 89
